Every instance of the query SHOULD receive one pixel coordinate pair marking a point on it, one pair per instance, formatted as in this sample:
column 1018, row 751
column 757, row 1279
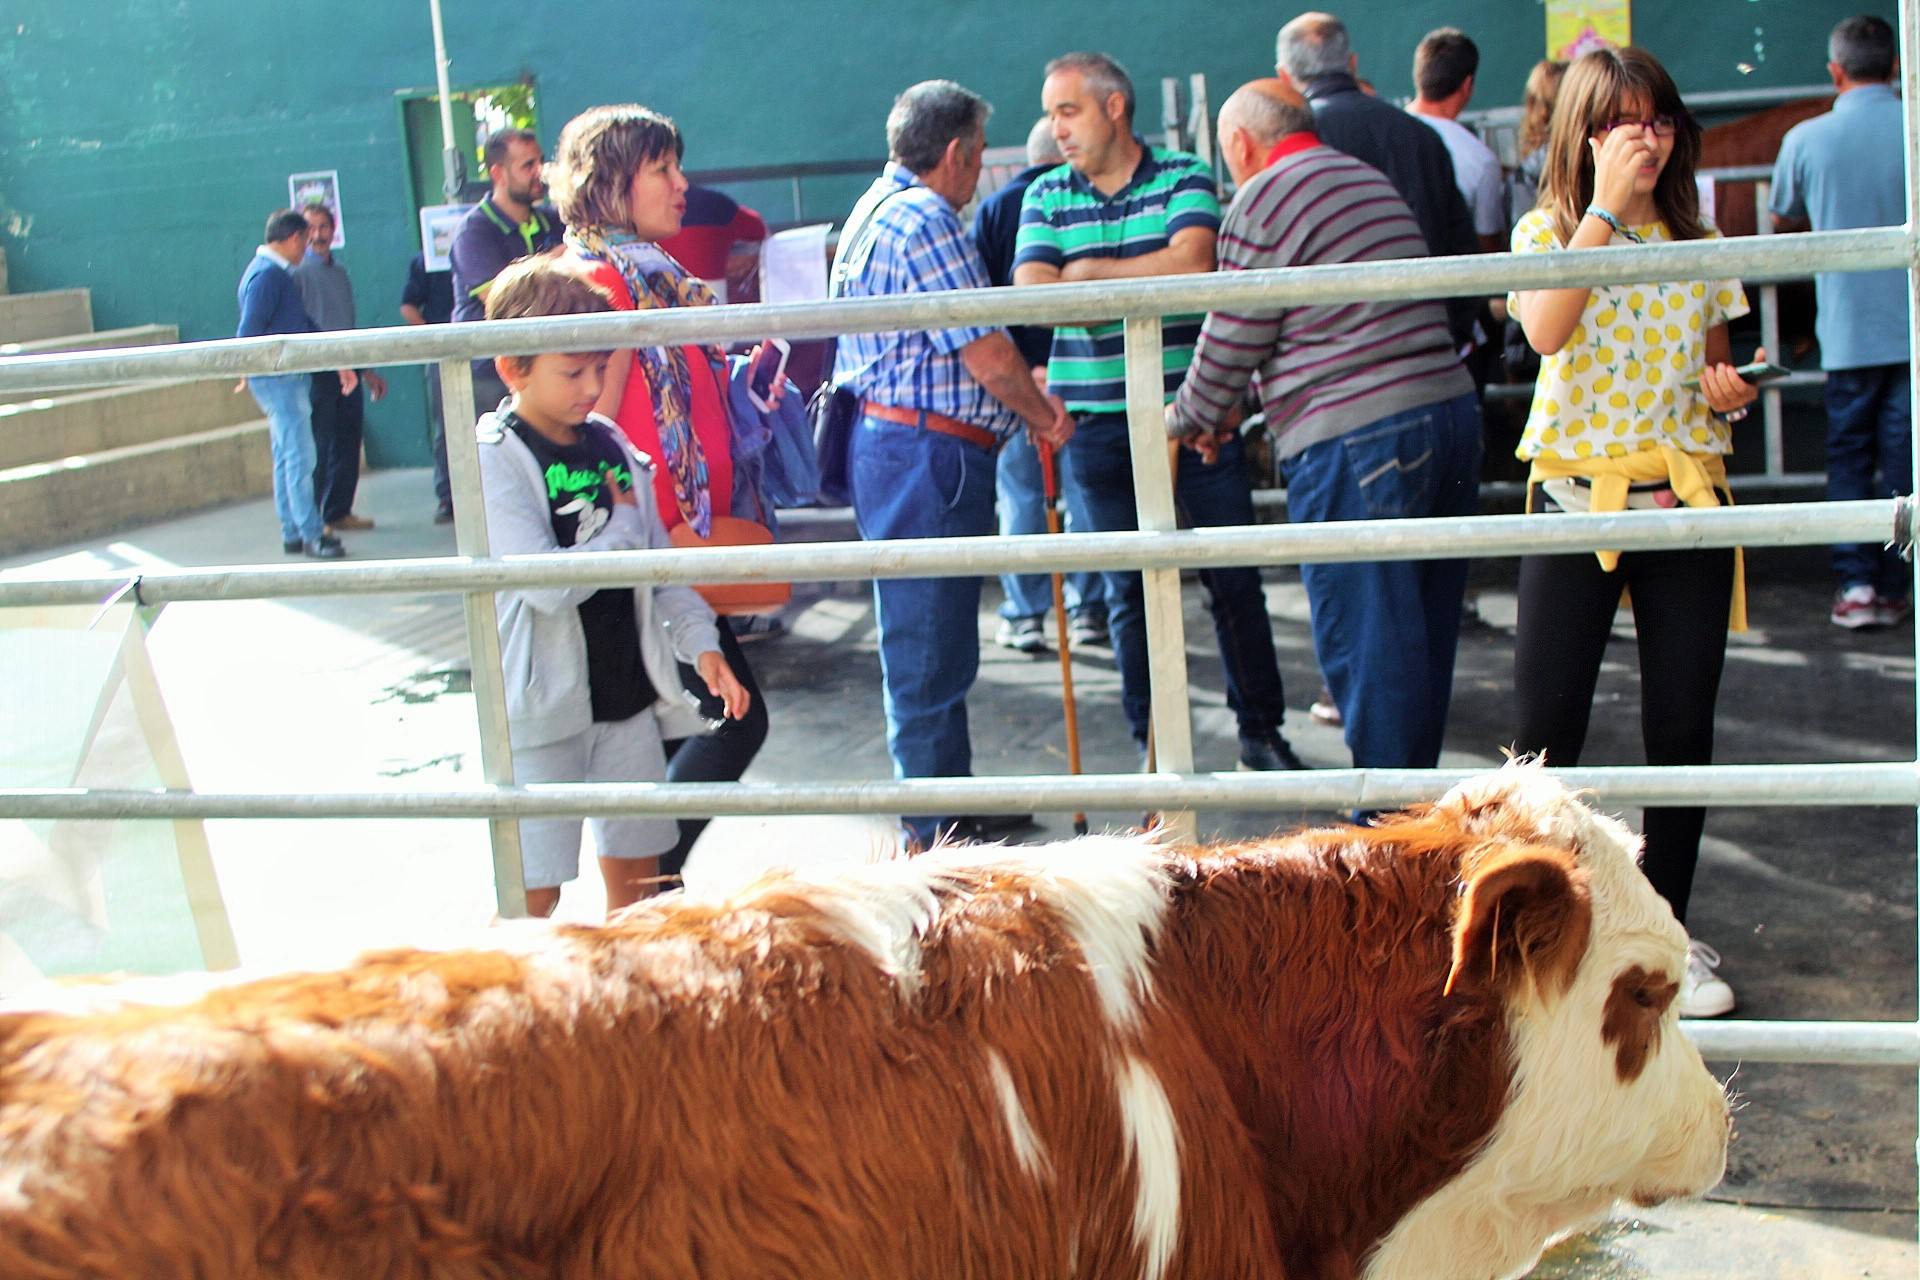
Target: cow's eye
column 1644, row 997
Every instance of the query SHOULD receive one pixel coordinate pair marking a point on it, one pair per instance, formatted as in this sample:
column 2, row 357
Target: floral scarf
column 654, row 279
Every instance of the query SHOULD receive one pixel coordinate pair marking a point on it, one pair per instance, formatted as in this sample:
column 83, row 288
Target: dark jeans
column 1680, row 602
column 1205, row 495
column 720, row 756
column 1385, row 631
column 909, row 482
column 437, row 425
column 338, row 423
column 1869, row 438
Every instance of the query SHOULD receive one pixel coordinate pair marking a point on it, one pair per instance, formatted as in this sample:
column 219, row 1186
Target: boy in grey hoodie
column 592, row 675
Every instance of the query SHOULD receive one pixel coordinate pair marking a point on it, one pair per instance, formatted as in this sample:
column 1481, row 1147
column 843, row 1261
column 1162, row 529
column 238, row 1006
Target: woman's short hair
column 599, row 152
column 928, row 116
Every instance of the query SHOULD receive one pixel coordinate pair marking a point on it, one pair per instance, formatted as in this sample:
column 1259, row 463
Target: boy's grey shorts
column 617, row 751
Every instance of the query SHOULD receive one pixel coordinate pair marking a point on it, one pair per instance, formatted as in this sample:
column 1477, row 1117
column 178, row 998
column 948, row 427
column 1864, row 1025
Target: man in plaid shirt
column 934, row 408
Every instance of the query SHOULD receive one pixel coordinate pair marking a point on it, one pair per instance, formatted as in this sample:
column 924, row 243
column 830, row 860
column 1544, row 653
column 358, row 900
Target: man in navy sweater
column 270, row 303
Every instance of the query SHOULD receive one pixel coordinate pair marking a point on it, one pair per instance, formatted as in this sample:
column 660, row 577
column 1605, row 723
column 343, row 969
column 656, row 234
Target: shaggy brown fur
column 735, row 1090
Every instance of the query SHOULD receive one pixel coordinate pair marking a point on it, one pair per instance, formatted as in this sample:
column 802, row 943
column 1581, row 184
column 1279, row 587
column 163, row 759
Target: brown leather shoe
column 352, row 522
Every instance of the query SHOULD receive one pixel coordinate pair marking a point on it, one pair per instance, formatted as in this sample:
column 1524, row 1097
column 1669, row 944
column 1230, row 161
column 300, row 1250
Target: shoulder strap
column 850, row 240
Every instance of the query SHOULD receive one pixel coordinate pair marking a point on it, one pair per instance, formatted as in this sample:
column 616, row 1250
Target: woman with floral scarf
column 617, row 183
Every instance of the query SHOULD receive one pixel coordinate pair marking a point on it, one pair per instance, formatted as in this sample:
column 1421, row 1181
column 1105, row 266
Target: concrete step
column 26, row 316
column 85, row 422
column 48, row 503
column 139, row 335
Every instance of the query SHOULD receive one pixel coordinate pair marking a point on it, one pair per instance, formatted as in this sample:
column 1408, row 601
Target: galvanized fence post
column 483, row 635
column 1153, row 477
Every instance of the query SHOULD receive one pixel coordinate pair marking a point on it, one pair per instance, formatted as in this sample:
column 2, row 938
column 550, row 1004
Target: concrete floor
column 1814, row 910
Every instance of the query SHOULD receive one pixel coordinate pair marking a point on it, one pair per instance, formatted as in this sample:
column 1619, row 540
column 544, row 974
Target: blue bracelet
column 1594, row 210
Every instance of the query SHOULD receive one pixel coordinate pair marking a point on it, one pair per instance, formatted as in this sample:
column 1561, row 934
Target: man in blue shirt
column 270, row 303
column 934, row 408
column 1839, row 171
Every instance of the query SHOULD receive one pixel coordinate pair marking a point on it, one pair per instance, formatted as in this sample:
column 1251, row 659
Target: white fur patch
column 1111, row 891
column 1154, row 1138
column 1026, row 1143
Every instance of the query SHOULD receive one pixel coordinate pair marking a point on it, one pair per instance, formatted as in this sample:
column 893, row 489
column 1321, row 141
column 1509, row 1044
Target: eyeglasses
column 1662, row 126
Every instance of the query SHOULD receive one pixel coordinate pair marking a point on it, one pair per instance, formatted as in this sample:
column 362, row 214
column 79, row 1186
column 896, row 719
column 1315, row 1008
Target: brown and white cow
column 1419, row 1049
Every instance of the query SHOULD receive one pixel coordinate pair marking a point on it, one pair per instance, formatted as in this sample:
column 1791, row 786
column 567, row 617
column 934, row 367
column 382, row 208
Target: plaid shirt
column 915, row 244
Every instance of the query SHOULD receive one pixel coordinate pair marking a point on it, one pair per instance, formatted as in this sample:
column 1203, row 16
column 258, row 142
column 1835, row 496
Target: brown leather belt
column 933, row 422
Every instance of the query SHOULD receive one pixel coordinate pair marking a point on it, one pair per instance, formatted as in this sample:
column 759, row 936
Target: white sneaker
column 1704, row 993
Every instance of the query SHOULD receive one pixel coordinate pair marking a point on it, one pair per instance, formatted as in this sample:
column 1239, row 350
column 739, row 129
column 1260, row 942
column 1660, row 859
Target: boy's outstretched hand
column 721, row 683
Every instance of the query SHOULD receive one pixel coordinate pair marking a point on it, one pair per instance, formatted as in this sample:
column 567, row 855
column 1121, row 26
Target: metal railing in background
column 1158, row 549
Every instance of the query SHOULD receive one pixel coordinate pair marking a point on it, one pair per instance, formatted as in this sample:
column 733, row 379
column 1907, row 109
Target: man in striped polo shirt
column 1120, row 209
column 1371, row 414
column 934, row 408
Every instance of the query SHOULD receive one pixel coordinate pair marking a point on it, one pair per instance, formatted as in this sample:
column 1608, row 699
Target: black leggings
column 1680, row 602
column 720, row 756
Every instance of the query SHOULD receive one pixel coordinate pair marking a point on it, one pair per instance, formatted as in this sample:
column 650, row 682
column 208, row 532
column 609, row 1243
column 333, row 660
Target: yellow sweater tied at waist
column 1697, row 479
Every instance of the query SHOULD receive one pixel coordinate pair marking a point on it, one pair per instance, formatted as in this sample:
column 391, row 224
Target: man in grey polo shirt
column 1838, row 171
column 338, row 418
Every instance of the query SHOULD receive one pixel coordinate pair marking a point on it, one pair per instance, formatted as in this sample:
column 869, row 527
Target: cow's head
column 1609, row 1101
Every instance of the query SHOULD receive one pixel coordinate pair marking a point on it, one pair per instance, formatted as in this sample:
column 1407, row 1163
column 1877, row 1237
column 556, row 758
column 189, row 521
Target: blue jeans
column 912, row 483
column 1869, row 435
column 1022, row 506
column 1385, row 631
column 1204, row 495
column 285, row 399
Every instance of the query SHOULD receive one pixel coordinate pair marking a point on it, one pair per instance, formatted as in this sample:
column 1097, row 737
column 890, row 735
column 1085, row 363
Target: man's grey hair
column 1864, row 48
column 1100, row 73
column 1264, row 116
column 928, row 116
column 1313, row 44
column 1042, row 146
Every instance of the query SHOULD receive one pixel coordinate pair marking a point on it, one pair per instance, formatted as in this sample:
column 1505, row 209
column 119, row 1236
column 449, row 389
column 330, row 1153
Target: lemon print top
column 1615, row 388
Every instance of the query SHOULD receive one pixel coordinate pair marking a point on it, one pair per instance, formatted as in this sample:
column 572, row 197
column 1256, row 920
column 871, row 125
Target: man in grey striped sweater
column 1371, row 414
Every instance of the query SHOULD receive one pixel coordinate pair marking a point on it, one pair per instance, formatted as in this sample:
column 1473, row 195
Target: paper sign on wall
column 1575, row 27
column 438, row 223
column 322, row 187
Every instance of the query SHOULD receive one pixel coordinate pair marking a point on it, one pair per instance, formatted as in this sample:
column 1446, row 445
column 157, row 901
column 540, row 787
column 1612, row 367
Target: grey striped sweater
column 1322, row 371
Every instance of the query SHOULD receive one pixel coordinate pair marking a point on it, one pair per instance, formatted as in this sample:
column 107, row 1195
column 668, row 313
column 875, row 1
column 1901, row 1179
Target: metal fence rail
column 1750, row 259
column 1159, row 550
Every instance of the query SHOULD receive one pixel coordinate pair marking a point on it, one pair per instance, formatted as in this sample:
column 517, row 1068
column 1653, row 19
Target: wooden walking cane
column 1050, row 486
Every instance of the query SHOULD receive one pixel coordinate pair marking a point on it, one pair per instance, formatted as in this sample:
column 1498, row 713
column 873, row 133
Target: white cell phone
column 768, row 366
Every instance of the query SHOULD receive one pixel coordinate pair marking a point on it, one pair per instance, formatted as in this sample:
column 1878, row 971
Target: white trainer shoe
column 1704, row 993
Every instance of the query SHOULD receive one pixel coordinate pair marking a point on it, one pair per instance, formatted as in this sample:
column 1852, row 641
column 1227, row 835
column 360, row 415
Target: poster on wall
column 438, row 222
column 323, row 187
column 1575, row 27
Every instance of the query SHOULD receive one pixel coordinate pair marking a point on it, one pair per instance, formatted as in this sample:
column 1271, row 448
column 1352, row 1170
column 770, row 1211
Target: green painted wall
column 142, row 143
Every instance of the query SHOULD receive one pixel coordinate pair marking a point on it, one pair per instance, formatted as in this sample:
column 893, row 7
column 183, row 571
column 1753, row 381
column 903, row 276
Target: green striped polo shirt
column 1065, row 217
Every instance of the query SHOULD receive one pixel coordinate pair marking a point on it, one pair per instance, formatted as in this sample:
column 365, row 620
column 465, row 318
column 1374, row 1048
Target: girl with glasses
column 1633, row 408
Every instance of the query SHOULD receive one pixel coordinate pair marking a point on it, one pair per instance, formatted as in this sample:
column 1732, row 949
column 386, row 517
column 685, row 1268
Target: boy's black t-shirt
column 580, row 504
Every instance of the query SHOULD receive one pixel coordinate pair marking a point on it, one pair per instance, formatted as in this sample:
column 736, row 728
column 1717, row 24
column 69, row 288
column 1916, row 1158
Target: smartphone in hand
column 1759, row 372
column 764, row 371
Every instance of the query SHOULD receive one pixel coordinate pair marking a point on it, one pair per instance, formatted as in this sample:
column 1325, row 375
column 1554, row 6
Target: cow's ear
column 1524, row 916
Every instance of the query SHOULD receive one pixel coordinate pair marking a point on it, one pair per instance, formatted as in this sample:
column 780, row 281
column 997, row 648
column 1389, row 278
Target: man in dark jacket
column 1314, row 55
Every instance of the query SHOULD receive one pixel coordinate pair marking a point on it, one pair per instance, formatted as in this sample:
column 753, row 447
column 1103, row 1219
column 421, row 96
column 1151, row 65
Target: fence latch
column 1903, row 514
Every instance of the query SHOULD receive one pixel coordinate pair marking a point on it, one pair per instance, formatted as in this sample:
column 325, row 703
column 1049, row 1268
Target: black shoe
column 294, row 546
column 1268, row 754
column 325, row 547
column 443, row 514
column 983, row 828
